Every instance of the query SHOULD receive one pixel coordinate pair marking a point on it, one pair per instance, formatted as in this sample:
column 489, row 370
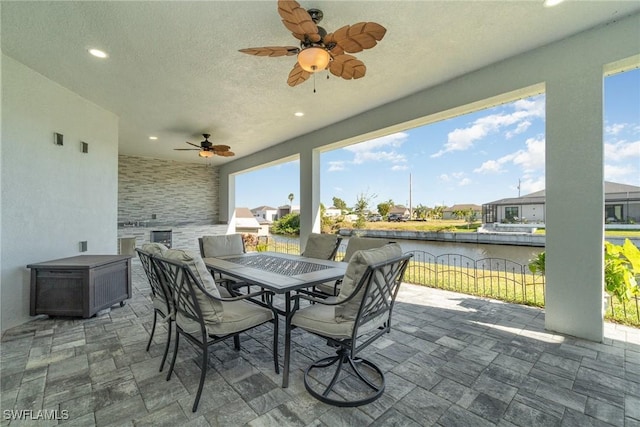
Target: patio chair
column 351, row 322
column 201, row 315
column 160, row 296
column 322, row 246
column 223, row 245
column 354, row 244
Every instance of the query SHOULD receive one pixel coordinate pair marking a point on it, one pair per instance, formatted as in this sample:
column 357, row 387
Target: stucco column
column 227, row 201
column 574, row 201
column 309, row 194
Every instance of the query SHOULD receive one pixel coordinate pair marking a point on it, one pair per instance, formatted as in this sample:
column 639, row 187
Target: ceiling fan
column 207, row 149
column 318, row 50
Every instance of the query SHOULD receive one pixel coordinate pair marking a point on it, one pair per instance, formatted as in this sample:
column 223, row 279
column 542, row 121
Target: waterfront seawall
column 507, row 238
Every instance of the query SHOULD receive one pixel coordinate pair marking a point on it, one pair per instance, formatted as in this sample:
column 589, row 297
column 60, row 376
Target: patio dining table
column 279, row 273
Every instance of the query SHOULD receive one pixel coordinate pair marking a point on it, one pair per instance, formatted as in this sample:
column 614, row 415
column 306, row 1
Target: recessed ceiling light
column 153, row 138
column 551, row 3
column 298, row 114
column 98, row 53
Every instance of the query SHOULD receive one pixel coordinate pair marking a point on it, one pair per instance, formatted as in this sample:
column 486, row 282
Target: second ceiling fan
column 318, row 50
column 207, row 149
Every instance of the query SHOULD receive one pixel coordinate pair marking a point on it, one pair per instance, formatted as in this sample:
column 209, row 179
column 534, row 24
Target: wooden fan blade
column 357, row 37
column 187, row 149
column 190, row 144
column 271, row 51
column 220, row 148
column 329, row 40
column 298, row 21
column 347, row 66
column 297, row 75
column 226, row 154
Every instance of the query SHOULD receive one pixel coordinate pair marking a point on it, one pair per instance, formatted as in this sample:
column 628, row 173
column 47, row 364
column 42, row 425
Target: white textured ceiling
column 174, row 69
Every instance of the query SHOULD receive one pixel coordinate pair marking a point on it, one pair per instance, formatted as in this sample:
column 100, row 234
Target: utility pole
column 410, row 209
column 518, row 187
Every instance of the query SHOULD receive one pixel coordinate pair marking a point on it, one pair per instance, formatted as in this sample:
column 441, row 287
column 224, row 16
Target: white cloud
column 531, row 185
column 490, row 166
column 531, row 159
column 522, row 127
column 458, row 178
column 534, row 106
column 615, row 128
column 336, row 166
column 618, row 173
column 399, row 168
column 462, row 139
column 393, row 140
column 379, row 150
column 379, row 156
column 621, row 150
column 458, row 175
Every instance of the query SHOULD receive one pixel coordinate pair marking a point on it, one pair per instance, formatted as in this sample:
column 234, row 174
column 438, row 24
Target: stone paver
column 450, row 360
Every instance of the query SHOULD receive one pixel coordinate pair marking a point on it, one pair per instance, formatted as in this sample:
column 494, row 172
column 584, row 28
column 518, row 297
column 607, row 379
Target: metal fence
column 496, row 278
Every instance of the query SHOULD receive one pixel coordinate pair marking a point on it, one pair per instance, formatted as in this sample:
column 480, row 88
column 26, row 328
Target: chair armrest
column 313, row 299
column 238, row 297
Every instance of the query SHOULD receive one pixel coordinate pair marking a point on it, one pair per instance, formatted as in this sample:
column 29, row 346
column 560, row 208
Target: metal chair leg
column 175, row 355
column 153, row 329
column 275, row 345
column 166, row 347
column 203, row 374
column 342, row 358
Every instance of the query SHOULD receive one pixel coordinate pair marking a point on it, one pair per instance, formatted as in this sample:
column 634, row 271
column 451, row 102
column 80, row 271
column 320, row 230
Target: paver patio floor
column 450, row 360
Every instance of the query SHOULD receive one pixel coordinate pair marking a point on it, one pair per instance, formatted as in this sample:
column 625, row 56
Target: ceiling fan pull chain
column 314, row 82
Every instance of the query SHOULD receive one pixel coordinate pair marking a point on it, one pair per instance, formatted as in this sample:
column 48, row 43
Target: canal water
column 518, row 254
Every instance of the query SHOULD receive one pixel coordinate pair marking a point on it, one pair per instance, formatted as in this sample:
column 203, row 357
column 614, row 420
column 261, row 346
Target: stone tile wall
column 176, row 193
column 182, row 196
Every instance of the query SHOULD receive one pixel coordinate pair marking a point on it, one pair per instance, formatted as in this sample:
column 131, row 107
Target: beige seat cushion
column 222, row 245
column 159, row 304
column 320, row 246
column 212, row 310
column 327, row 288
column 238, row 316
column 155, row 248
column 357, row 266
column 321, row 319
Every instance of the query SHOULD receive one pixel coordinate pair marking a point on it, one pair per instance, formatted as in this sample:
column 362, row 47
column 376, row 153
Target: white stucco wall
column 53, row 197
column 570, row 72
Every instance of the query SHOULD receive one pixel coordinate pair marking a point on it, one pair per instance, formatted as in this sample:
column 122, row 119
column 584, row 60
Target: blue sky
column 475, row 158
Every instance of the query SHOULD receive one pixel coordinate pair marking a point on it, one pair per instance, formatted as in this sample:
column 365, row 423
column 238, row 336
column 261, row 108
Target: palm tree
column 290, row 199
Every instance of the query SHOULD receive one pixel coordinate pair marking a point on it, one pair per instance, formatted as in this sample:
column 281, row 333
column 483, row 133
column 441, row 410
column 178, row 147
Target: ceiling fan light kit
column 314, row 59
column 318, row 50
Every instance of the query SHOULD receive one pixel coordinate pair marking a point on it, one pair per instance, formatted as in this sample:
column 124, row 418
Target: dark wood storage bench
column 80, row 285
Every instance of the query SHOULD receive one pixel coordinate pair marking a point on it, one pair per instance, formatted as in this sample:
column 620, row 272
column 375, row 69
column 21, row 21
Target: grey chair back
column 179, row 278
column 322, row 246
column 221, row 245
column 158, row 289
column 380, row 284
column 356, row 243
